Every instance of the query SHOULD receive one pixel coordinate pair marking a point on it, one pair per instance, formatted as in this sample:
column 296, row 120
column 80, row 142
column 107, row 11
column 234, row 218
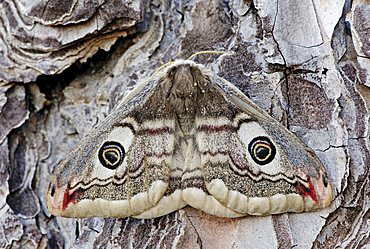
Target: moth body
column 188, row 137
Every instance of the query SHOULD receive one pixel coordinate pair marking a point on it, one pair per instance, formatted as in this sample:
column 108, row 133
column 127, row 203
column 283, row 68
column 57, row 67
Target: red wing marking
column 68, row 198
column 310, row 191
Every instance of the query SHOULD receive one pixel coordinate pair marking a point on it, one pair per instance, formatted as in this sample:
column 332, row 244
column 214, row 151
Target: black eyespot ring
column 262, row 150
column 111, row 154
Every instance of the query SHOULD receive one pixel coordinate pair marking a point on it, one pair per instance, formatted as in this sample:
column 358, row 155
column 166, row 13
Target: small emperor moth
column 188, row 137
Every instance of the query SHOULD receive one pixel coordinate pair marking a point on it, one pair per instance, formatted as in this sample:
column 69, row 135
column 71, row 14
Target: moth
column 188, row 137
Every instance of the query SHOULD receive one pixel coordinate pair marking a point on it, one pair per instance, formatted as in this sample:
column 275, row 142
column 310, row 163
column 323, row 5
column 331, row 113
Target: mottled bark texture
column 65, row 64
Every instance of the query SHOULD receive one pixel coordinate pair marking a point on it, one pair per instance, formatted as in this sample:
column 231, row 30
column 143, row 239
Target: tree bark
column 63, row 66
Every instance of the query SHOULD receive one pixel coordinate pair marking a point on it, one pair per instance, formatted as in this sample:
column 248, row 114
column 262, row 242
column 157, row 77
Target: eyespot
column 262, row 150
column 111, row 154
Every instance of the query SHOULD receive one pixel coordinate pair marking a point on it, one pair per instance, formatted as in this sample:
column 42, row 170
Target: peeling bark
column 305, row 62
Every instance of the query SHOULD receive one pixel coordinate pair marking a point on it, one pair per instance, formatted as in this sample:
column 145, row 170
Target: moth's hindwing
column 188, row 137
